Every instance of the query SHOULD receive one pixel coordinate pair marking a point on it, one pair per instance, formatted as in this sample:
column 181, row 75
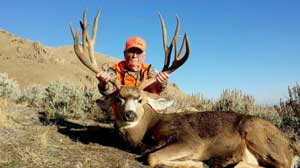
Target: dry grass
column 5, row 120
column 185, row 101
column 26, row 142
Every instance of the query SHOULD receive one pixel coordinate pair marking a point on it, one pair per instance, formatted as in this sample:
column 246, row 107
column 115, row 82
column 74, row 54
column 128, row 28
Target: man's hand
column 162, row 78
column 103, row 78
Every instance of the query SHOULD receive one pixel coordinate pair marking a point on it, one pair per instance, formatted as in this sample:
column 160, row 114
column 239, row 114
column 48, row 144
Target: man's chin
column 133, row 67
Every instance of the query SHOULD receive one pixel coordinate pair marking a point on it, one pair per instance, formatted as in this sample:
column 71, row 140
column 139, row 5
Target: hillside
column 30, row 62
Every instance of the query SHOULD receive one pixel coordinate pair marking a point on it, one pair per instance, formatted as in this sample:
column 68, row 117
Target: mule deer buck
column 189, row 139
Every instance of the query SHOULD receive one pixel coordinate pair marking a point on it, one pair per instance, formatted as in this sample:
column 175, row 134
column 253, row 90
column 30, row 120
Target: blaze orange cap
column 135, row 42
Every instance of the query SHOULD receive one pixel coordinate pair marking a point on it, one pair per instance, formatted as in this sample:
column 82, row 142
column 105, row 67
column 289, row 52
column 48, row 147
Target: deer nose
column 129, row 116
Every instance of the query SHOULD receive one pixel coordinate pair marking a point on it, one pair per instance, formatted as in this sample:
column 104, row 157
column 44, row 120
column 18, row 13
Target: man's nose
column 134, row 54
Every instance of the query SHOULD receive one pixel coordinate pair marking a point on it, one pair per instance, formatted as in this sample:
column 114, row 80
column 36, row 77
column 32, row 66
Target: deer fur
column 190, row 139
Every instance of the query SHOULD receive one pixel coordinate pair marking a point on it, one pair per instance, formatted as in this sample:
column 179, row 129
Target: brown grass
column 5, row 120
column 26, row 142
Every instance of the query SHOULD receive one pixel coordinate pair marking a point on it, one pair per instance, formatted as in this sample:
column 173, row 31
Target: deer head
column 137, row 112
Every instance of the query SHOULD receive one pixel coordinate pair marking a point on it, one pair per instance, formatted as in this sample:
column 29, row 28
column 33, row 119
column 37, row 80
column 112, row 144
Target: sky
column 250, row 45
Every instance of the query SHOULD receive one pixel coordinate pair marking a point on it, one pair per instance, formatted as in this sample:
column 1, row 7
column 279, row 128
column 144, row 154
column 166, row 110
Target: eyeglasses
column 134, row 51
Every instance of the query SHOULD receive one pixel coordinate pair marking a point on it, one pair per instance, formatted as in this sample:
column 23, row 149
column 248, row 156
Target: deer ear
column 160, row 104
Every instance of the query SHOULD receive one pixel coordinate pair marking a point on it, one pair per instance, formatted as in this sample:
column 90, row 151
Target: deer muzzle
column 129, row 116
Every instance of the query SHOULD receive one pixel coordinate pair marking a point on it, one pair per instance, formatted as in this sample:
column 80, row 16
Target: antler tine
column 166, row 48
column 176, row 35
column 93, row 40
column 83, row 25
column 95, row 27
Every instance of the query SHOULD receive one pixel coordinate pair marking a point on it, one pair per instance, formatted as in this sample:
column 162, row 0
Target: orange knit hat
column 135, row 42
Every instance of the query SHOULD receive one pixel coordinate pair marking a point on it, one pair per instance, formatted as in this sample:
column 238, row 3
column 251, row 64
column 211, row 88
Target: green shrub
column 291, row 107
column 234, row 100
column 33, row 96
column 184, row 101
column 57, row 100
column 9, row 88
column 289, row 110
column 268, row 115
column 200, row 102
column 66, row 100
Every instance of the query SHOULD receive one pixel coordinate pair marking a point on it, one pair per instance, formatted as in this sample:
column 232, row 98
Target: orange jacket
column 127, row 78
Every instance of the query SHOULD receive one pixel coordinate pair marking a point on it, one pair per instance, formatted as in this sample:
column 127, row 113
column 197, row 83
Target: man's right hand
column 103, row 78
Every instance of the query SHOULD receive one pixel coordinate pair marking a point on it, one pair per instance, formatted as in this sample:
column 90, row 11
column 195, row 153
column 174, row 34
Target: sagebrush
column 289, row 110
column 64, row 100
column 9, row 88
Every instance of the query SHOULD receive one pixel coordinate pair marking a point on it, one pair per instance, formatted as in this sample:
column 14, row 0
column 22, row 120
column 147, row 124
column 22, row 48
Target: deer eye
column 140, row 100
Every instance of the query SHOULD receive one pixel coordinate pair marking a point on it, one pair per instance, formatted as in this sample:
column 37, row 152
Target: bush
column 33, row 96
column 200, row 102
column 57, row 100
column 289, row 110
column 291, row 107
column 290, row 124
column 9, row 88
column 66, row 100
column 268, row 115
column 234, row 100
column 184, row 101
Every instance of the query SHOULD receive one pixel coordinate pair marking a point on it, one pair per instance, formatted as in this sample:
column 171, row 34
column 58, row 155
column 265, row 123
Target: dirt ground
column 25, row 141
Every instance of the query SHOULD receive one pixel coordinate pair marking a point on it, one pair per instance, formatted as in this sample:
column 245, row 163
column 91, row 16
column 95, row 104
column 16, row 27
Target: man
column 129, row 71
column 132, row 69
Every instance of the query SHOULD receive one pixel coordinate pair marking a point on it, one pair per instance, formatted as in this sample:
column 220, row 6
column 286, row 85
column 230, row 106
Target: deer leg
column 248, row 157
column 246, row 165
column 248, row 160
column 175, row 155
column 268, row 144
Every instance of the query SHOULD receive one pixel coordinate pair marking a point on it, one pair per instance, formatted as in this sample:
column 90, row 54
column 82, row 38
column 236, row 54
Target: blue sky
column 251, row 45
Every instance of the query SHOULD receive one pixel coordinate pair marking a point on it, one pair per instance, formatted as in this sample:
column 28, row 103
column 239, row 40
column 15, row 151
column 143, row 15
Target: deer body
column 189, row 138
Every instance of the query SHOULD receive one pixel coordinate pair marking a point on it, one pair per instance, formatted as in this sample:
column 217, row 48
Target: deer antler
column 87, row 45
column 178, row 59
